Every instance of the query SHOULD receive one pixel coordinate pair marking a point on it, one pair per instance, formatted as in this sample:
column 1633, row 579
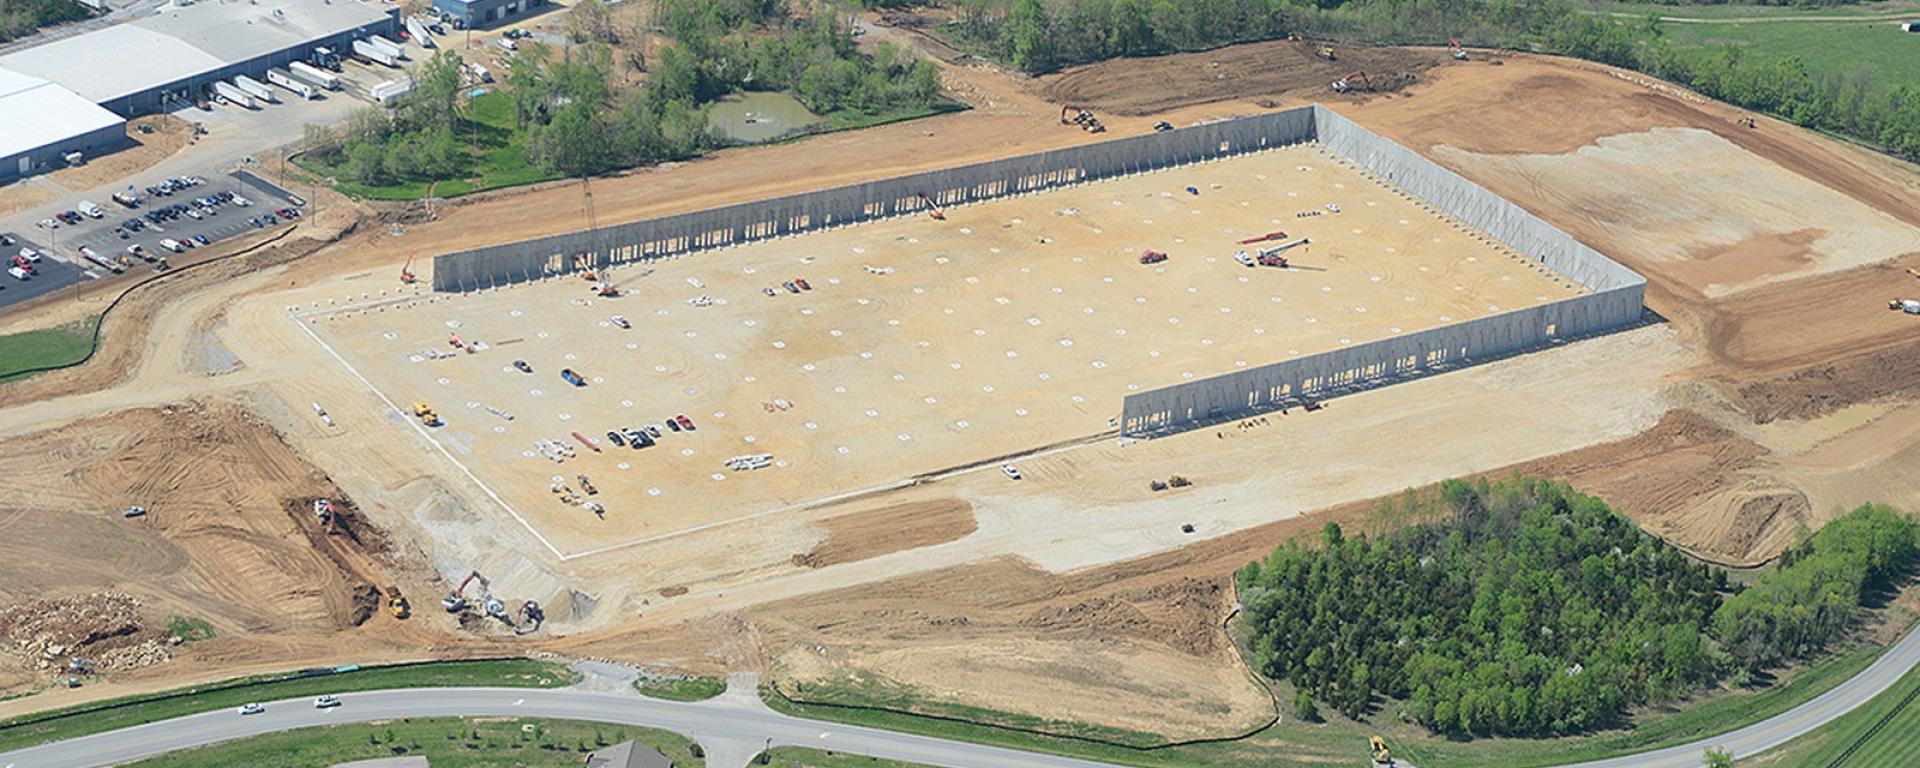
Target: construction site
column 840, row 422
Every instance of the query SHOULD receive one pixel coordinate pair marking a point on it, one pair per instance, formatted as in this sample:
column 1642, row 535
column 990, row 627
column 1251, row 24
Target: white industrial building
column 167, row 61
column 41, row 122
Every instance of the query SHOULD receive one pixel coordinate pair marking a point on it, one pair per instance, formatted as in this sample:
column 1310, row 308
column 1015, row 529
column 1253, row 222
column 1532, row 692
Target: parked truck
column 255, row 88
column 418, row 29
column 313, row 75
column 480, row 73
column 226, row 90
column 392, row 48
column 390, row 92
column 326, row 58
column 285, row 79
column 373, row 52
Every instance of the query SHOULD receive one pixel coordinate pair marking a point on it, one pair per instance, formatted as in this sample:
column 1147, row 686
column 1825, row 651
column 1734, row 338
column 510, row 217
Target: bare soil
column 169, row 135
column 1270, row 71
column 861, row 535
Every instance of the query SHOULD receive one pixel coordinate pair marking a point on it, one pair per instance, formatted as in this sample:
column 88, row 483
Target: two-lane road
column 736, row 726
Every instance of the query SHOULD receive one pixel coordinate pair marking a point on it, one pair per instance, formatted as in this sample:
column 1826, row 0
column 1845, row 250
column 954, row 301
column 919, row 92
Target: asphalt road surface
column 736, row 726
column 53, row 274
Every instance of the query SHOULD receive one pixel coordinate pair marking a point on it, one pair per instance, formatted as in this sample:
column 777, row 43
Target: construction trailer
column 280, row 77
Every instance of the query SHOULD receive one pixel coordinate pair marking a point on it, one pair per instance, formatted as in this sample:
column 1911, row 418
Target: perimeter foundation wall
column 492, row 266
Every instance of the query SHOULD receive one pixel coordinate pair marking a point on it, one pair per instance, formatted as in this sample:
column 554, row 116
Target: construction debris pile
column 100, row 631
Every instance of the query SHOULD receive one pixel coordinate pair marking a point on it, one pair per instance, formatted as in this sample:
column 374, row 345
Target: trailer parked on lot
column 258, row 89
column 390, row 92
column 392, row 48
column 285, row 79
column 375, row 53
column 419, row 31
column 313, row 75
column 227, row 91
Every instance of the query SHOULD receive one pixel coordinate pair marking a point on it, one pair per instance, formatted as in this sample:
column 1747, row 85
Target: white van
column 91, row 210
column 172, row 245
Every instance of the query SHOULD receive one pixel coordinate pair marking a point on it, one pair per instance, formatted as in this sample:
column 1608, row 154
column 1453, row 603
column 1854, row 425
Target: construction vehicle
column 456, row 601
column 1326, row 52
column 933, row 211
column 406, row 271
column 397, row 603
column 587, row 485
column 1914, row 272
column 1274, row 235
column 1178, row 481
column 1380, row 754
column 1454, row 49
column 426, row 414
column 1152, row 257
column 606, row 290
column 530, row 614
column 1352, row 81
column 1746, row 121
column 1909, row 306
column 1072, row 115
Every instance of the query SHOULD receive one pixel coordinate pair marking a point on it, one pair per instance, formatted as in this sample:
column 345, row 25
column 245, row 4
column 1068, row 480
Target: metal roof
column 109, row 63
column 184, row 41
column 35, row 113
column 236, row 32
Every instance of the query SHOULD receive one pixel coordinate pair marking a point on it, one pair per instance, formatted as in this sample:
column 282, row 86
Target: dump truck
column 397, row 603
column 572, row 378
column 425, row 414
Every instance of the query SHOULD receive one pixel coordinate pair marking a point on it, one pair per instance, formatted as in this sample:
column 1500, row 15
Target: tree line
column 1044, row 35
column 19, row 18
column 1529, row 609
column 576, row 118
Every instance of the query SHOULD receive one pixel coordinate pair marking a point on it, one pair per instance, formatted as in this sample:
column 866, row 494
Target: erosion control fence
column 1612, row 297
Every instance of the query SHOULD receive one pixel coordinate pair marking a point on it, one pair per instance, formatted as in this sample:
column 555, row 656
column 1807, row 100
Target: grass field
column 189, row 630
column 685, row 689
column 446, row 742
column 1339, row 740
column 1892, row 9
column 86, row 719
column 50, row 346
column 1878, row 735
column 1880, row 47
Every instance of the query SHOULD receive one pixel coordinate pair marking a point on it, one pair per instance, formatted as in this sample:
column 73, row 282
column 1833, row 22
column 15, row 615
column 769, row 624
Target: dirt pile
column 1260, row 70
column 1823, row 389
column 863, row 535
column 100, row 631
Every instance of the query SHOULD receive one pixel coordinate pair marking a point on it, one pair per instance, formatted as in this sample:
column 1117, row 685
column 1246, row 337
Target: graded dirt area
column 1280, row 69
column 1011, row 326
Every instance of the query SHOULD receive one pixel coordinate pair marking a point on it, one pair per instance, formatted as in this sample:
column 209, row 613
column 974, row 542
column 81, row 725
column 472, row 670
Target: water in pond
column 759, row 116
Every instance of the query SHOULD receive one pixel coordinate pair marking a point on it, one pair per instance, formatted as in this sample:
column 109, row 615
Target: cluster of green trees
column 1530, row 610
column 421, row 139
column 1793, row 612
column 1043, row 35
column 758, row 45
column 577, row 126
column 19, row 18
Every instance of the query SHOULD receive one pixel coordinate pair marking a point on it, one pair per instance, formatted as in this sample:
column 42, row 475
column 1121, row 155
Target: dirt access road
column 1102, row 605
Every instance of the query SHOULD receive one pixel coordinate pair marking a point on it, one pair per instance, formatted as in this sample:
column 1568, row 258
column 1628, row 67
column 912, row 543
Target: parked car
column 684, row 422
column 29, row 254
column 202, row 239
column 1011, row 471
column 239, row 201
column 18, row 273
column 522, row 365
column 616, row 439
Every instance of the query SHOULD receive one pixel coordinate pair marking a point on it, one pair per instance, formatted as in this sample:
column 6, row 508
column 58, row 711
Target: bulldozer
column 1326, row 52
column 1381, row 756
column 425, row 414
column 397, row 603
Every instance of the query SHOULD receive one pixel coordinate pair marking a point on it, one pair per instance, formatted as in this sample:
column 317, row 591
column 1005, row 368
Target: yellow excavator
column 426, row 414
column 1380, row 754
column 397, row 603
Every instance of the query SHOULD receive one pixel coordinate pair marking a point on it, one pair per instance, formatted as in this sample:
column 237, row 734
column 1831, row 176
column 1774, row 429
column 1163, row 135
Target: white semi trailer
column 258, row 89
column 314, row 75
column 419, row 32
column 375, row 53
column 392, row 48
column 234, row 95
column 285, row 79
column 391, row 91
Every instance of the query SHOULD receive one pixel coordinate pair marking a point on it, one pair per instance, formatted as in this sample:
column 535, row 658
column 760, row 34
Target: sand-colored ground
column 1011, row 326
column 1772, row 398
column 169, row 135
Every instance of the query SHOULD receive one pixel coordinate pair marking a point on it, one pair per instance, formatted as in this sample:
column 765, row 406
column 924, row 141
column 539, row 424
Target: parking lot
column 76, row 246
column 49, row 274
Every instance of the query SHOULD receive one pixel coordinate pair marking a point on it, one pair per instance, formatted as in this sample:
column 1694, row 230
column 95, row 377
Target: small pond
column 758, row 116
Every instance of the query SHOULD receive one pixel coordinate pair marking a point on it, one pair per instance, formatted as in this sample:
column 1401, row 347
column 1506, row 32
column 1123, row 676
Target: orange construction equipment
column 606, row 289
column 1456, row 50
column 1152, row 257
column 1356, row 79
column 406, row 271
column 932, row 209
column 1274, row 235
